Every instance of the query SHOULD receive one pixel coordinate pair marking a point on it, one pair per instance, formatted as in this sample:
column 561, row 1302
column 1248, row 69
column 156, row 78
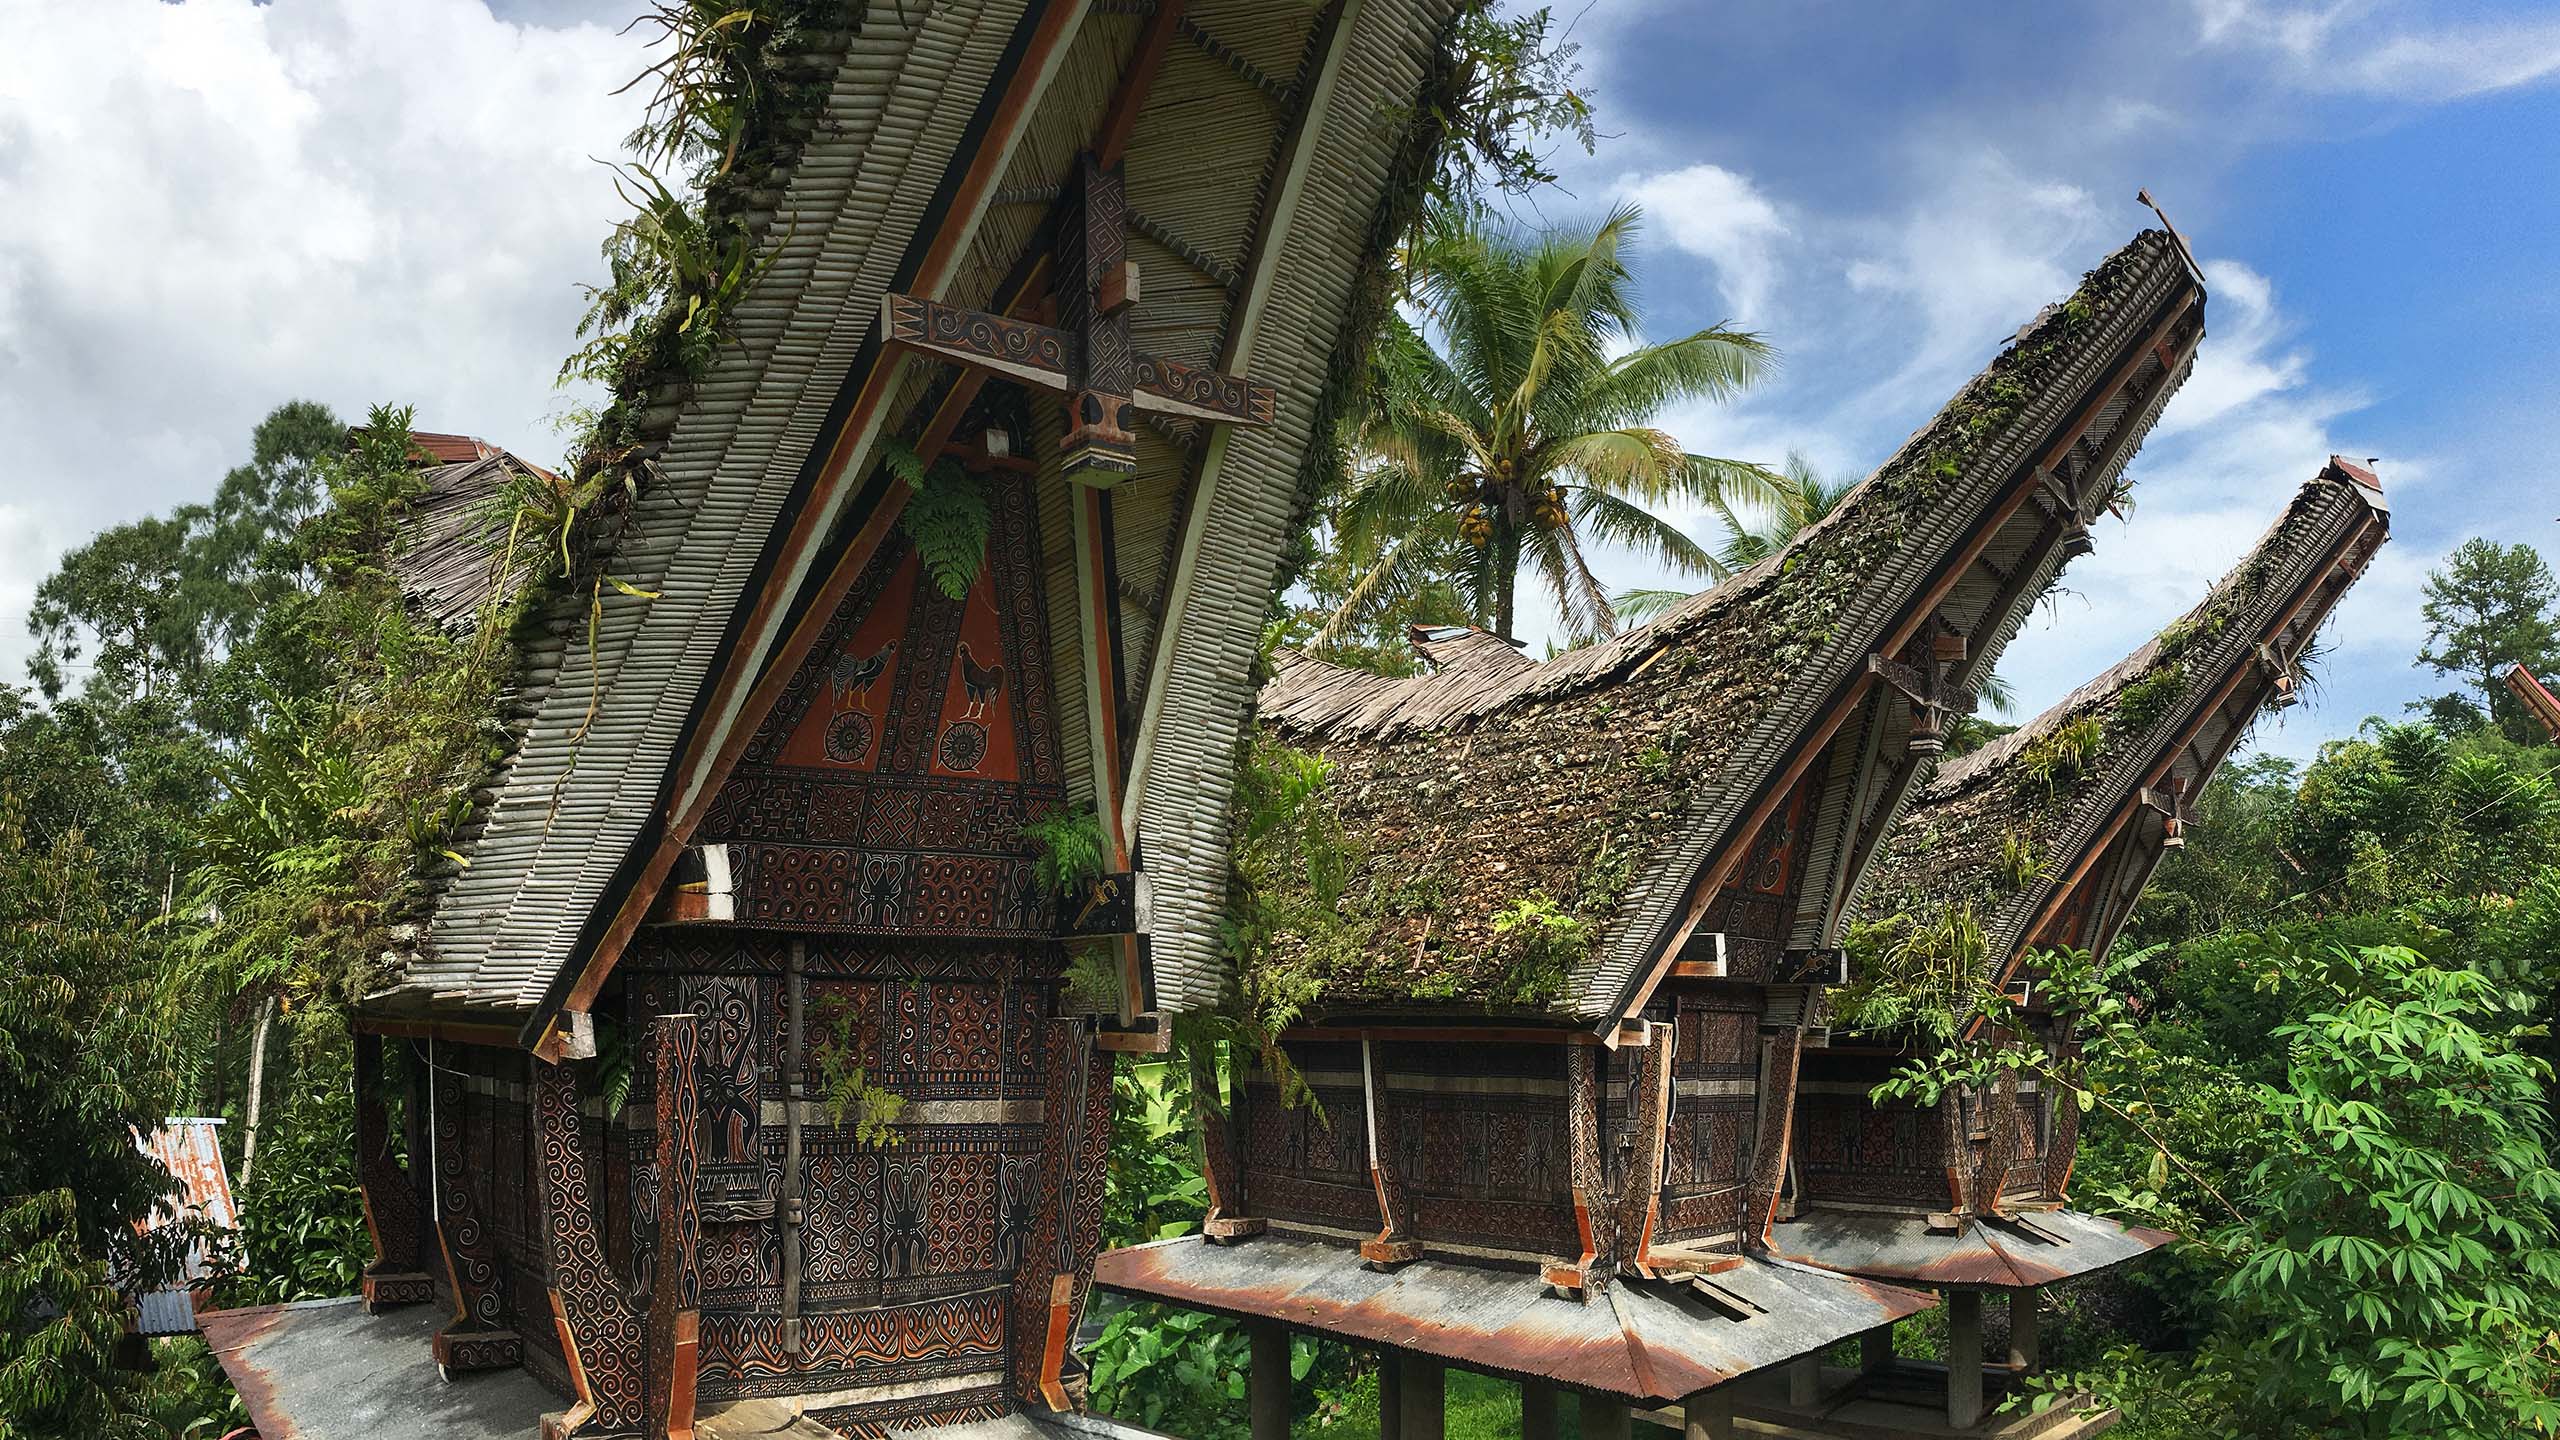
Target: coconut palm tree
column 1518, row 417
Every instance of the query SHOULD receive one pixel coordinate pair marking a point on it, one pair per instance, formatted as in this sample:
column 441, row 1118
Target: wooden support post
column 1875, row 1350
column 2026, row 1338
column 1390, row 1396
column 1709, row 1416
column 1538, row 1418
column 1964, row 1359
column 1606, row 1419
column 1425, row 1398
column 1269, row 1388
column 675, row 1295
column 1804, row 1381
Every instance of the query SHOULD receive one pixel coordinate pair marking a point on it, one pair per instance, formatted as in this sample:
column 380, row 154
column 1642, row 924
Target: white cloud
column 220, row 206
column 2361, row 48
column 1723, row 218
column 1972, row 258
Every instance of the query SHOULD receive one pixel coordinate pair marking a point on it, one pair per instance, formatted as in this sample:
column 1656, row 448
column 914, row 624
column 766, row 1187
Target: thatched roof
column 1276, row 150
column 1606, row 781
column 2164, row 717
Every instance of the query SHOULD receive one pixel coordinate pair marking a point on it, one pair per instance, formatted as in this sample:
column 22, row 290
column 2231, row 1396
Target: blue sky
column 209, row 207
column 1886, row 191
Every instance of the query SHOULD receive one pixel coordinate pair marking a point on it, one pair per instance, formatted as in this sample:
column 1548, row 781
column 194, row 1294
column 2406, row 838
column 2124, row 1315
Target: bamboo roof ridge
column 2010, row 828
column 1605, row 781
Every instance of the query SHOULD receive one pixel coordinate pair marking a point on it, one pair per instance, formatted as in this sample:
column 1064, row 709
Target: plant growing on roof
column 2147, row 701
column 1540, row 942
column 2063, row 754
column 1504, row 421
column 2020, row 863
column 945, row 518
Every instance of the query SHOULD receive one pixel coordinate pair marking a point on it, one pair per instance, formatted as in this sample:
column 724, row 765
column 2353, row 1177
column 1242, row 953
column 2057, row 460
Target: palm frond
column 1603, row 516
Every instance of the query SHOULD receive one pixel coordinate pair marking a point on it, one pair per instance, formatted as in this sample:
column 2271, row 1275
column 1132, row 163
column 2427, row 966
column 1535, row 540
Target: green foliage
column 64, row 1316
column 1292, row 863
column 1538, row 944
column 1073, row 850
column 845, row 1082
column 2400, row 1271
column 1914, row 973
column 2060, row 756
column 302, row 1231
column 2021, row 863
column 2147, row 701
column 2487, row 607
column 1177, row 1370
column 1093, row 979
column 945, row 518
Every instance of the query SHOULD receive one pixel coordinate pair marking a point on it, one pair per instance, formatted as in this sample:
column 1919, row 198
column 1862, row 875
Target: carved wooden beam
column 1394, row 1243
column 1056, row 1270
column 675, row 1296
column 481, row 1335
column 398, row 1274
column 602, row 1337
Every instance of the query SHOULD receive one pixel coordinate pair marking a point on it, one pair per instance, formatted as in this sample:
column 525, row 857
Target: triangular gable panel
column 887, row 789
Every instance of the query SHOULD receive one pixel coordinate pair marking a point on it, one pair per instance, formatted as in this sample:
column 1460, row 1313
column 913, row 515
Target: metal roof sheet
column 326, row 1370
column 2031, row 1249
column 1649, row 1342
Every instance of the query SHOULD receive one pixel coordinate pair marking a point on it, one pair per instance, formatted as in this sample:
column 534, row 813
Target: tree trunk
column 1506, row 574
column 257, row 1088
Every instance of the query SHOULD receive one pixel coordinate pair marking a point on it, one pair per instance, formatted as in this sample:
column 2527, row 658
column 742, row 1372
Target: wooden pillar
column 1875, row 1350
column 392, row 1215
column 1804, row 1381
column 1709, row 1416
column 1538, row 1418
column 2026, row 1338
column 675, row 1292
column 1606, row 1419
column 1268, row 1390
column 1424, row 1398
column 1964, row 1359
column 1390, row 1396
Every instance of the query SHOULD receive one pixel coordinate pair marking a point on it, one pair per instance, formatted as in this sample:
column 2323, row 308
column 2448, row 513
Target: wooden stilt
column 1606, row 1419
column 1538, row 1418
column 2026, row 1335
column 1425, row 1398
column 1964, row 1359
column 1804, row 1381
column 1875, row 1350
column 1709, row 1416
column 1390, row 1396
column 1269, row 1380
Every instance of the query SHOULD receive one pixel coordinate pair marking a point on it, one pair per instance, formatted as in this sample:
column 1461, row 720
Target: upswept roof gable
column 1609, row 779
column 2163, row 718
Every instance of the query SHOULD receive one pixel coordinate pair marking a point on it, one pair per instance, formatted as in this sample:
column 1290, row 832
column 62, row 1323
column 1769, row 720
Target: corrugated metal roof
column 2032, row 1249
column 1645, row 1341
column 190, row 1148
column 326, row 1370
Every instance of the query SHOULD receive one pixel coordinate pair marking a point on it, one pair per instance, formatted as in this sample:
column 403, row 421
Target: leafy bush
column 2063, row 754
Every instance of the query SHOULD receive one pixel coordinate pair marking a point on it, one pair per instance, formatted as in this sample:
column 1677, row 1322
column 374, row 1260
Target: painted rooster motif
column 849, row 676
column 982, row 682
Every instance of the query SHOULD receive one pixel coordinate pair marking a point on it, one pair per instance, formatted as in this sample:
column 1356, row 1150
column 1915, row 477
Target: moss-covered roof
column 1597, row 783
column 1998, row 829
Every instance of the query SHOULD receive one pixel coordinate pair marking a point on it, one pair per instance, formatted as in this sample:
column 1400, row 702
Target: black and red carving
column 922, row 1340
column 604, row 1339
column 887, row 791
column 1480, row 1145
column 481, row 1333
column 882, row 1419
column 1778, row 1069
column 1206, row 394
column 1065, row 1230
column 675, row 1297
column 392, row 1217
column 1639, row 1199
column 1595, row 1220
column 1093, row 306
column 1712, row 1133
